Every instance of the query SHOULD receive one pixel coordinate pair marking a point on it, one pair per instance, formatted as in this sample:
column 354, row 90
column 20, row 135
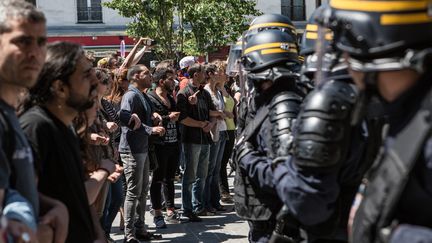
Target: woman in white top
column 211, row 190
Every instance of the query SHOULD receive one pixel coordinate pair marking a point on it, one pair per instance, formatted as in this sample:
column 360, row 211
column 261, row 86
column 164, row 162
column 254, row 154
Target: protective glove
column 242, row 150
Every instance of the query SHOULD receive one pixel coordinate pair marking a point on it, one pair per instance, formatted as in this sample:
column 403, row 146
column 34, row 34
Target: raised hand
column 193, row 99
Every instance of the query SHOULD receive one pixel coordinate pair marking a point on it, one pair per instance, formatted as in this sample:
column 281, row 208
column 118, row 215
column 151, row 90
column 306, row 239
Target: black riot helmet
column 271, row 21
column 383, row 35
column 269, row 48
column 308, row 47
column 271, row 55
column 310, row 36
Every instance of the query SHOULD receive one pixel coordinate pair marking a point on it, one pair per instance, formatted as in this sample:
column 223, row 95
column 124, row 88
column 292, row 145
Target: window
column 294, row 9
column 89, row 11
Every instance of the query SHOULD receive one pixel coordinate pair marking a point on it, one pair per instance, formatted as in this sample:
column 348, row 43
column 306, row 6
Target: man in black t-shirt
column 65, row 87
column 23, row 49
column 166, row 147
column 196, row 108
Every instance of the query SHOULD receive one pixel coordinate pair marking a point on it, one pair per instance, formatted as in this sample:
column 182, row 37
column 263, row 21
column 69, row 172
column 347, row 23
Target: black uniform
column 267, row 136
column 255, row 195
column 399, row 188
column 397, row 196
column 319, row 181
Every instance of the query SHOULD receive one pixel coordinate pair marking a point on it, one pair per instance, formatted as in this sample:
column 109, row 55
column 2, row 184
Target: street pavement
column 223, row 227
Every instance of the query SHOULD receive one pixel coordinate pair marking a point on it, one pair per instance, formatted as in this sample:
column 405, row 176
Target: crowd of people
column 330, row 136
column 82, row 139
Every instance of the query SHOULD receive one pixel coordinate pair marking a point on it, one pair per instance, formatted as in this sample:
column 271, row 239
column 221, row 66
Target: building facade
column 100, row 29
column 86, row 22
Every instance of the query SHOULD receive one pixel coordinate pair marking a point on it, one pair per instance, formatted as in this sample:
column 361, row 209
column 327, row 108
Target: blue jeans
column 211, row 191
column 112, row 205
column 136, row 170
column 195, row 173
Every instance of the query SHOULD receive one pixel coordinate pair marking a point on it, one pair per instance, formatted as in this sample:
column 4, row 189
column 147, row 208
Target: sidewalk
column 223, row 227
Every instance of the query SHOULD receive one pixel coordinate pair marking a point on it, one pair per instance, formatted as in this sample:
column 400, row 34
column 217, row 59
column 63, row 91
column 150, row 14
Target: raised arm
column 128, row 62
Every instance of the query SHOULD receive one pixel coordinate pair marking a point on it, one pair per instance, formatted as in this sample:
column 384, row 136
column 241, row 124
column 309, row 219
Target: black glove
column 287, row 229
column 243, row 149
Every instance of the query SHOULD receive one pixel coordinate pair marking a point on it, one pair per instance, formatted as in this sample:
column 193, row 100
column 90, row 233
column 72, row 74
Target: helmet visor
column 233, row 62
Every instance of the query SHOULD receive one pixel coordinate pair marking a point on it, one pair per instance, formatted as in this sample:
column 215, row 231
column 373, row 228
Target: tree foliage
column 190, row 27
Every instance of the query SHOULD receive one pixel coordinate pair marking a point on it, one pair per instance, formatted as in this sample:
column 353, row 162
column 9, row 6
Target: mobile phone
column 150, row 42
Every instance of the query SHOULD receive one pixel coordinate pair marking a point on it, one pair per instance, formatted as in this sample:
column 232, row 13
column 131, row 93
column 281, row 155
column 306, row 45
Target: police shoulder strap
column 253, row 125
column 389, row 179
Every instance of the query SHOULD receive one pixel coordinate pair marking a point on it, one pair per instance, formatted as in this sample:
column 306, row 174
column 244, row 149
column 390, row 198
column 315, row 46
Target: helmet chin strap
column 360, row 107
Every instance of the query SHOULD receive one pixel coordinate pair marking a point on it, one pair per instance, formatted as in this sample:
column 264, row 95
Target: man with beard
column 134, row 151
column 65, row 87
column 166, row 148
column 196, row 107
column 23, row 50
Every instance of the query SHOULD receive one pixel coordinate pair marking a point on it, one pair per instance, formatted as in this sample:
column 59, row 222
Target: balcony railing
column 90, row 14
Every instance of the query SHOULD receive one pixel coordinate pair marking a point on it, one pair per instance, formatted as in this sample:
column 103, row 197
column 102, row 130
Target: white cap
column 186, row 62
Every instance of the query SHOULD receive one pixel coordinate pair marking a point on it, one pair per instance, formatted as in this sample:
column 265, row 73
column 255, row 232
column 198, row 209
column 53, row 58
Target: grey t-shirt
column 21, row 166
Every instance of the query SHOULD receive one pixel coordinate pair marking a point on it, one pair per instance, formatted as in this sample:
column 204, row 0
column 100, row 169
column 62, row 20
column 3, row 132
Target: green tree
column 216, row 23
column 150, row 18
column 204, row 25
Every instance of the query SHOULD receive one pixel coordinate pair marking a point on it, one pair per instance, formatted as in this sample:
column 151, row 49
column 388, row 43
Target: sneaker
column 193, row 217
column 131, row 240
column 211, row 211
column 227, row 198
column 220, row 208
column 109, row 239
column 173, row 218
column 205, row 212
column 159, row 222
column 147, row 236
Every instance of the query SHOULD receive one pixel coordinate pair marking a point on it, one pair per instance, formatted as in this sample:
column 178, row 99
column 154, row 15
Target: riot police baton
column 287, row 229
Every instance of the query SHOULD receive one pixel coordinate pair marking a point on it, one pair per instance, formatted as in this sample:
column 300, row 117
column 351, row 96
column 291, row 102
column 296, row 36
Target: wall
column 269, row 6
column 64, row 13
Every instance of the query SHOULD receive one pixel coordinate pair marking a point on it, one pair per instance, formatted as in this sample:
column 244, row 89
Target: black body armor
column 322, row 132
column 283, row 111
column 251, row 203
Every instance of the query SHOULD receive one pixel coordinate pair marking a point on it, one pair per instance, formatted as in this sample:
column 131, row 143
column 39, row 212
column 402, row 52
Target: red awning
column 93, row 41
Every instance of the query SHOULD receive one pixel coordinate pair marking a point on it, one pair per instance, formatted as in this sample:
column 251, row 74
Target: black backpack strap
column 390, row 176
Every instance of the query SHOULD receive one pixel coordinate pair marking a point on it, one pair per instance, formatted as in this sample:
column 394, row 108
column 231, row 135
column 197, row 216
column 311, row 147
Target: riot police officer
column 388, row 48
column 318, row 182
column 269, row 58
